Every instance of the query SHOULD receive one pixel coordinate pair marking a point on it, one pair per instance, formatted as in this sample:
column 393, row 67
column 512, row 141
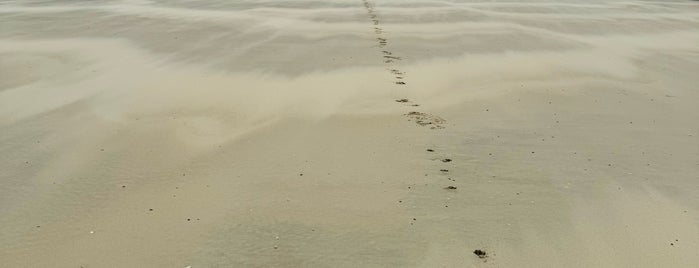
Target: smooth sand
column 266, row 133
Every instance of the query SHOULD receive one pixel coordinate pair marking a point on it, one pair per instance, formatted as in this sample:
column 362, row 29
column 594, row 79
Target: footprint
column 423, row 119
column 395, row 71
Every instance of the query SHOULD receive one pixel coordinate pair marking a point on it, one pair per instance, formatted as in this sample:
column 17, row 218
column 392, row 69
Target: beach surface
column 349, row 133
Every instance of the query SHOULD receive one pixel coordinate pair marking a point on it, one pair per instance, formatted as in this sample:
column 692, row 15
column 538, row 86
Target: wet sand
column 356, row 133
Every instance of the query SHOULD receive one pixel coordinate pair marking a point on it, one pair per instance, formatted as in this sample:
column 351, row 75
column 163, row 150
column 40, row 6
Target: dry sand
column 267, row 133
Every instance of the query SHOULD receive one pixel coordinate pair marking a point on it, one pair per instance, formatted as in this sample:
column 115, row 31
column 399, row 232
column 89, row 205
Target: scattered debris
column 450, row 187
column 402, row 100
column 444, row 170
column 446, row 160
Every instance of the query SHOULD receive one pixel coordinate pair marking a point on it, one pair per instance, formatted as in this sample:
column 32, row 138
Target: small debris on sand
column 446, row 160
column 402, row 100
column 430, row 150
column 480, row 253
column 400, row 83
column 450, row 187
column 444, row 170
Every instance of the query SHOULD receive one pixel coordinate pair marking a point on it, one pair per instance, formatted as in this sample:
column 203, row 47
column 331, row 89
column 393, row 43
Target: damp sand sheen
column 352, row 133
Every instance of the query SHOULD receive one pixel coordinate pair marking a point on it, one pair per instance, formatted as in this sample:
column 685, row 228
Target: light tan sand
column 267, row 133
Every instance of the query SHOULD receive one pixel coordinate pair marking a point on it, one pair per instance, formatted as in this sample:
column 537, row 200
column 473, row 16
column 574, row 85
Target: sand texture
column 349, row 133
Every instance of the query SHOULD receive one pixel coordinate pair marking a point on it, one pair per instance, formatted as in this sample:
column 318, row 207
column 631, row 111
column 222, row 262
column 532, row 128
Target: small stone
column 480, row 253
column 444, row 170
column 402, row 100
column 450, row 187
column 446, row 160
column 430, row 150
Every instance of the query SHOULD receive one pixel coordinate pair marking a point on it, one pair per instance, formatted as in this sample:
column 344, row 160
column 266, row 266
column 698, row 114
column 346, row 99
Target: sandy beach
column 349, row 133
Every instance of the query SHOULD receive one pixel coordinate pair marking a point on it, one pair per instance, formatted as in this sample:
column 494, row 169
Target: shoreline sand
column 349, row 134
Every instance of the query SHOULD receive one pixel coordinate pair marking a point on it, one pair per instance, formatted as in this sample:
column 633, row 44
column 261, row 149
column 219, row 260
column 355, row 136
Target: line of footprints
column 389, row 58
column 422, row 119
